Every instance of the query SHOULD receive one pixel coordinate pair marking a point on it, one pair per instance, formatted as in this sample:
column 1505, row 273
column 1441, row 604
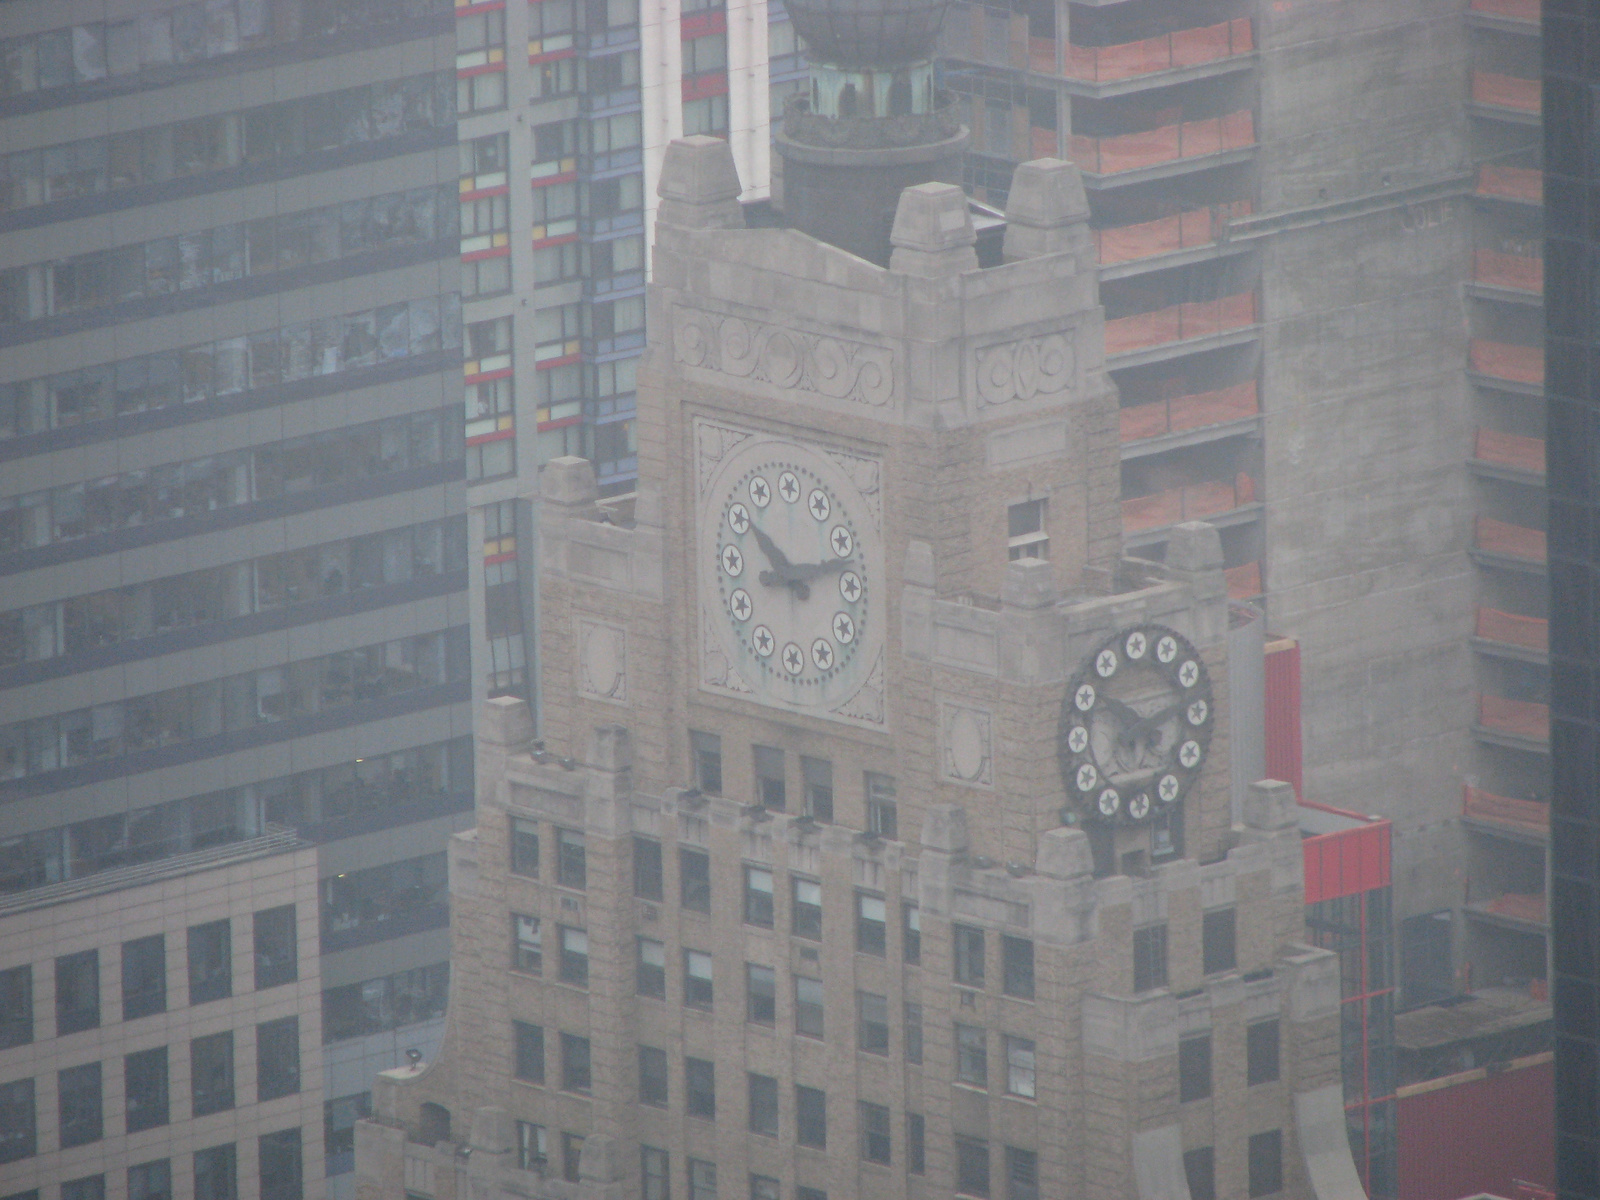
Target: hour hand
column 809, row 571
column 778, row 559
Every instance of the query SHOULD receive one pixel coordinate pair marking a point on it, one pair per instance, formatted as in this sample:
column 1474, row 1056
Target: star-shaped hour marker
column 794, row 659
column 844, row 629
column 732, row 560
column 841, row 541
column 850, row 587
column 761, row 638
column 760, row 492
column 739, row 604
column 822, row 653
column 818, row 504
column 789, row 487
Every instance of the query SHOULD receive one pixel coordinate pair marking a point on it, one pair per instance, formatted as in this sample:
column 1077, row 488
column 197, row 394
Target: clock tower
column 876, row 836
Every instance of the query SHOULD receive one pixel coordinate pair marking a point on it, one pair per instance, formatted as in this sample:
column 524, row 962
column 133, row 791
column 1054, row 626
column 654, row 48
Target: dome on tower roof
column 868, row 32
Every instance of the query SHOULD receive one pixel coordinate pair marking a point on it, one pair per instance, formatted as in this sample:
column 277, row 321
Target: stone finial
column 610, row 749
column 699, row 186
column 1045, row 210
column 1270, row 805
column 1029, row 583
column 933, row 233
column 491, row 1131
column 945, row 828
column 568, row 480
column 1194, row 546
column 505, row 721
column 1064, row 854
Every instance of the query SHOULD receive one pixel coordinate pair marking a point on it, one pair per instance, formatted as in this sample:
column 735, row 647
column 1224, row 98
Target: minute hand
column 805, row 572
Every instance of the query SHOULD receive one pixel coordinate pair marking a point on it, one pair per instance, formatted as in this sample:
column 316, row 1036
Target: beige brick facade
column 986, row 389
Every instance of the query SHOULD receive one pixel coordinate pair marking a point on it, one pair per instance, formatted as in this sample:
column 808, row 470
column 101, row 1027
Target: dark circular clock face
column 1135, row 725
column 792, row 568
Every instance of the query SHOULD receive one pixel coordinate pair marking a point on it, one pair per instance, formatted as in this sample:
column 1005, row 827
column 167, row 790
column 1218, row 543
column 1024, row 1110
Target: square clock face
column 789, row 555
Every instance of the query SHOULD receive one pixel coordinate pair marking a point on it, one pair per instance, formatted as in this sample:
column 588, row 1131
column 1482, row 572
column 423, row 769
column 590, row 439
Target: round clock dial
column 790, row 556
column 1135, row 725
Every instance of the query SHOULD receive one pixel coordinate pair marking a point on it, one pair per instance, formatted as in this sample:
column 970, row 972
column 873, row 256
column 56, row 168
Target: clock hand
column 778, row 559
column 1145, row 724
column 809, row 571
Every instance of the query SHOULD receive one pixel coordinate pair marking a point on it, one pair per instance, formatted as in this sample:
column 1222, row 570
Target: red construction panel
column 1283, row 713
column 1485, row 1134
column 1347, row 863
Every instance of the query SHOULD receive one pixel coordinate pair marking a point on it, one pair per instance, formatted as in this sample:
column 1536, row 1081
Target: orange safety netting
column 1519, row 272
column 1521, row 718
column 1486, row 806
column 1191, row 503
column 1511, row 450
column 1517, row 10
column 1519, row 906
column 1124, row 243
column 1502, row 360
column 1128, row 151
column 1506, row 91
column 1179, row 322
column 1186, row 48
column 1513, row 183
column 1189, row 412
column 1495, row 625
column 1502, row 537
column 1244, row 581
column 1042, row 55
column 1042, row 142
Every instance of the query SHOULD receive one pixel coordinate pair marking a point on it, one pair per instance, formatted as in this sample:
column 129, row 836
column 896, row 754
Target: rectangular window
column 571, row 1157
column 1218, row 940
column 210, row 951
column 144, row 977
column 654, row 1175
column 809, row 1193
column 1022, row 1174
column 279, row 1163
column 694, row 880
column 872, row 1023
column 647, row 869
column 758, row 897
column 216, row 1173
column 761, row 994
column 1194, row 1068
column 277, row 954
column 968, row 961
column 77, row 992
column 1149, row 957
column 527, row 944
column 574, row 955
column 811, row 1116
column 90, row 1187
column 916, row 1143
column 78, row 1091
column 707, row 751
column 277, row 1058
column 817, row 776
column 911, row 932
column 528, row 1045
column 525, row 847
column 533, row 1147
column 1199, row 1168
column 806, row 913
column 808, row 1006
column 572, row 868
column 18, row 1121
column 972, row 1166
column 1266, row 1163
column 882, row 814
column 1016, row 966
column 763, row 1104
column 700, row 1087
column 1020, row 1079
column 652, row 1076
column 972, row 1055
column 650, row 975
column 697, row 991
column 1261, row 1052
column 574, row 1063
column 1026, row 537
column 150, row 1180
column 913, row 1034
column 145, row 1088
column 874, row 1125
column 764, row 1187
column 16, row 1006
column 702, row 1179
column 871, row 927
column 211, row 1073
column 769, row 777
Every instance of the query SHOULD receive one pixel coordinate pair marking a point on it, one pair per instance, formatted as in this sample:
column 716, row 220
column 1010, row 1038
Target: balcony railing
column 1170, row 143
column 1512, row 10
column 1181, row 231
column 1512, row 183
column 1515, row 272
column 1512, row 629
column 1523, row 907
column 1506, row 91
column 1513, row 541
column 1479, row 805
column 1517, row 718
column 1183, row 413
column 1170, row 51
column 1194, row 502
column 1510, row 450
column 1503, row 360
column 1180, row 322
